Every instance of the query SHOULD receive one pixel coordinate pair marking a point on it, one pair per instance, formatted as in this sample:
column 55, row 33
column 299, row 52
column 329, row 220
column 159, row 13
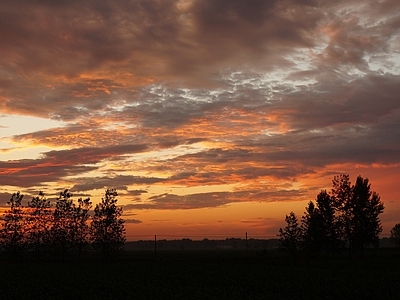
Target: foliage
column 12, row 233
column 68, row 227
column 39, row 220
column 61, row 231
column 349, row 215
column 290, row 236
column 341, row 190
column 395, row 235
column 330, row 221
column 108, row 230
column 80, row 230
column 312, row 229
column 362, row 215
column 320, row 225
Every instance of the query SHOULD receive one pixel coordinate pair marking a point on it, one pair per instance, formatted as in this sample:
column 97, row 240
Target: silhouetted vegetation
column 348, row 216
column 290, row 236
column 67, row 228
column 39, row 221
column 395, row 235
column 108, row 232
column 13, row 227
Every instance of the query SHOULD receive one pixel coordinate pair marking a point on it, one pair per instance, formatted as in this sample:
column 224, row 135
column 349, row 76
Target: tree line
column 347, row 217
column 67, row 226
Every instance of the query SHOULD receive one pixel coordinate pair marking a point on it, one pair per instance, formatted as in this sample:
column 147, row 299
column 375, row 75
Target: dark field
column 222, row 274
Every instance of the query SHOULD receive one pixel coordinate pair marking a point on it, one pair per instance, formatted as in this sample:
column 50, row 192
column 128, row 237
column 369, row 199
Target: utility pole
column 155, row 246
column 246, row 240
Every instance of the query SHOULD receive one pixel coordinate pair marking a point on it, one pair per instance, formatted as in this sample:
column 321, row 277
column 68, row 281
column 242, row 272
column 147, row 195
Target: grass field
column 223, row 274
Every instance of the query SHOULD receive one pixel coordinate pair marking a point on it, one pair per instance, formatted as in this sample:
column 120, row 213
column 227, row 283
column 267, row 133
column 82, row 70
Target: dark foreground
column 223, row 274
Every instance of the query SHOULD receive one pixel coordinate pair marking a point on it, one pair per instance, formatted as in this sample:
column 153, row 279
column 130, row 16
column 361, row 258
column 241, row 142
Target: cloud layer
column 186, row 104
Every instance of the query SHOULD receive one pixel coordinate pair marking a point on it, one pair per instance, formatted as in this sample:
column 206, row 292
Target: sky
column 211, row 118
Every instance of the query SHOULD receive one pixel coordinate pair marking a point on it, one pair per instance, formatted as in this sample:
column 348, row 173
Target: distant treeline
column 56, row 232
column 347, row 217
column 220, row 244
column 204, row 244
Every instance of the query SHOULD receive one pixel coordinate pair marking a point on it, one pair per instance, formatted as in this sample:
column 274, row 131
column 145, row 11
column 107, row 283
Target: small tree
column 108, row 231
column 62, row 223
column 80, row 230
column 39, row 222
column 12, row 234
column 395, row 235
column 341, row 194
column 290, row 236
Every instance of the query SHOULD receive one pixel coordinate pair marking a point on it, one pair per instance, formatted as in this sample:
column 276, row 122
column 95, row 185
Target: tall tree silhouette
column 12, row 233
column 62, row 223
column 108, row 231
column 290, row 236
column 80, row 230
column 341, row 194
column 362, row 215
column 330, row 221
column 321, row 224
column 39, row 221
column 312, row 229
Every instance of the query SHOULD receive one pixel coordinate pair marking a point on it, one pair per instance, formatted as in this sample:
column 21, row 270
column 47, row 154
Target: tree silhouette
column 80, row 230
column 341, row 194
column 312, row 229
column 362, row 215
column 330, row 221
column 395, row 235
column 341, row 190
column 349, row 215
column 62, row 223
column 321, row 224
column 108, row 231
column 290, row 236
column 38, row 223
column 12, row 233
column 38, row 227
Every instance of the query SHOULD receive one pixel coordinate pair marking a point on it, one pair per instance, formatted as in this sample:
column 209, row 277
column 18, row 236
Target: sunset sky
column 211, row 118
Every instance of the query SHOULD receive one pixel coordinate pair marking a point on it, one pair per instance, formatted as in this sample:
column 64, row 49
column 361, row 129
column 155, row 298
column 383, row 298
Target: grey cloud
column 364, row 100
column 171, row 201
column 4, row 198
column 32, row 173
column 132, row 221
column 134, row 40
column 216, row 199
column 118, row 182
column 57, row 164
column 136, row 192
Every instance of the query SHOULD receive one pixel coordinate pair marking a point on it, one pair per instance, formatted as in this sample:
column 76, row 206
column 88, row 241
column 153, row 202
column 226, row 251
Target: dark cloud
column 132, row 221
column 4, row 198
column 117, row 47
column 57, row 164
column 171, row 201
column 214, row 199
column 119, row 182
column 136, row 192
